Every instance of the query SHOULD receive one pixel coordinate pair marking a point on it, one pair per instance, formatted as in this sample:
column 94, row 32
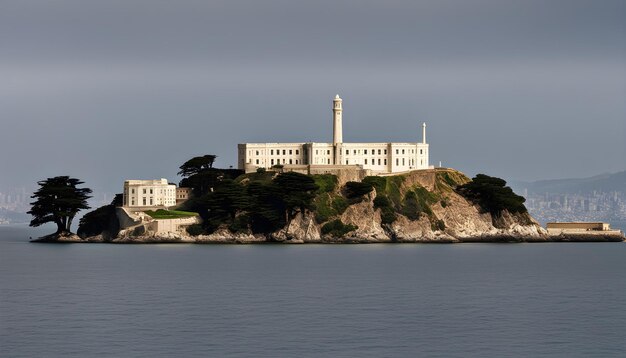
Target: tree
column 58, row 200
column 101, row 220
column 355, row 189
column 492, row 195
column 196, row 165
column 199, row 175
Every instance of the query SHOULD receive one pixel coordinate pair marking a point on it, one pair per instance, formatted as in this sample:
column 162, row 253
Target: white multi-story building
column 144, row 193
column 378, row 158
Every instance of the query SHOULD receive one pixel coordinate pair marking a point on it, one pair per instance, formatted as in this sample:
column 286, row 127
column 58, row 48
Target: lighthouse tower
column 337, row 126
column 337, row 130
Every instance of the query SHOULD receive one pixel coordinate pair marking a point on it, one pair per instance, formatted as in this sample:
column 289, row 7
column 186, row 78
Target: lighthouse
column 337, row 125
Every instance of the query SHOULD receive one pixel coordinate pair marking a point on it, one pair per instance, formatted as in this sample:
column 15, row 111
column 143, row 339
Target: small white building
column 379, row 158
column 149, row 193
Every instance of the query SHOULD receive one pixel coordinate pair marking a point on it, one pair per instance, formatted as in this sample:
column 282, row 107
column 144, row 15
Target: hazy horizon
column 108, row 91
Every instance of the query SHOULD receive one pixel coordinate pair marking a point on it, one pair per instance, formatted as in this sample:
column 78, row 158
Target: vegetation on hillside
column 337, row 228
column 492, row 195
column 100, row 220
column 258, row 203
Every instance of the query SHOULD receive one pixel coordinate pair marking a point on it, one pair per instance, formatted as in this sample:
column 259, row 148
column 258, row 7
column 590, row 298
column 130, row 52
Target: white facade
column 141, row 193
column 378, row 157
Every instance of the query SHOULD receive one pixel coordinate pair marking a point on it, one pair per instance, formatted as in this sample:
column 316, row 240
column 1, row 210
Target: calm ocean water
column 465, row 300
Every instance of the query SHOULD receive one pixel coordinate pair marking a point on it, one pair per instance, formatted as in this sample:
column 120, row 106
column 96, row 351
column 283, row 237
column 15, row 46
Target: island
column 335, row 192
column 424, row 206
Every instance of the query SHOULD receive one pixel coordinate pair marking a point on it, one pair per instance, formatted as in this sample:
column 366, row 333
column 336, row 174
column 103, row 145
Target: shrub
column 387, row 213
column 381, row 201
column 411, row 207
column 195, row 230
column 355, row 189
column 336, row 228
column 393, row 190
column 325, row 182
column 438, row 224
column 240, row 224
column 340, row 204
column 328, row 205
column 323, row 208
column 379, row 183
column 261, row 170
column 447, row 179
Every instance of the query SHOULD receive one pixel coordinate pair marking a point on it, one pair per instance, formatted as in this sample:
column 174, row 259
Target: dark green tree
column 355, row 189
column 492, row 195
column 199, row 175
column 101, row 220
column 297, row 192
column 196, row 165
column 58, row 200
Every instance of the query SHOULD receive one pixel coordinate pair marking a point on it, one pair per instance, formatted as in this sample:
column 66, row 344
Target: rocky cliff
column 421, row 206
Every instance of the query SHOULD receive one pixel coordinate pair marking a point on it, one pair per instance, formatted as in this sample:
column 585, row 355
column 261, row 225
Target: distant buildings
column 591, row 206
column 377, row 158
column 557, row 228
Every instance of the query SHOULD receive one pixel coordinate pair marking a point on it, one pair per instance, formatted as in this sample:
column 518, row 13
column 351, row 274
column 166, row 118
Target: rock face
column 450, row 218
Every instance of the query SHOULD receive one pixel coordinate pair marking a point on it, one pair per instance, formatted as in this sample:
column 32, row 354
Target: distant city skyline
column 108, row 91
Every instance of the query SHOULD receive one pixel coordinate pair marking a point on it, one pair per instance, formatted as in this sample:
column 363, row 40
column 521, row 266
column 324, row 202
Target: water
column 465, row 300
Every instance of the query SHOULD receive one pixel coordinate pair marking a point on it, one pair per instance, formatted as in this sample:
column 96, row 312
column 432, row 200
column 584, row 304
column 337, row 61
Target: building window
column 151, row 201
column 378, row 161
column 150, row 191
column 402, row 151
column 328, row 159
column 316, row 152
column 132, row 191
column 290, row 152
column 272, row 152
column 283, row 160
column 354, row 152
column 365, row 161
column 346, row 161
column 421, row 151
column 284, row 152
column 402, row 161
column 385, row 161
column 347, row 152
column 385, row 151
column 290, row 162
column 397, row 161
column 365, row 151
column 272, row 161
column 132, row 202
column 144, row 201
column 397, row 151
column 328, row 152
column 297, row 151
column 257, row 152
column 296, row 161
column 373, row 161
column 257, row 161
column 379, row 152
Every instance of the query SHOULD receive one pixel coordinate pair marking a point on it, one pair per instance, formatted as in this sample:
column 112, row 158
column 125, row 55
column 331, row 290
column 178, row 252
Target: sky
column 112, row 90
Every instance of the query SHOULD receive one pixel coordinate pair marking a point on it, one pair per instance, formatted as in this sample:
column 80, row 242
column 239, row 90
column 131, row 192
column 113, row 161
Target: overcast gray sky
column 112, row 90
